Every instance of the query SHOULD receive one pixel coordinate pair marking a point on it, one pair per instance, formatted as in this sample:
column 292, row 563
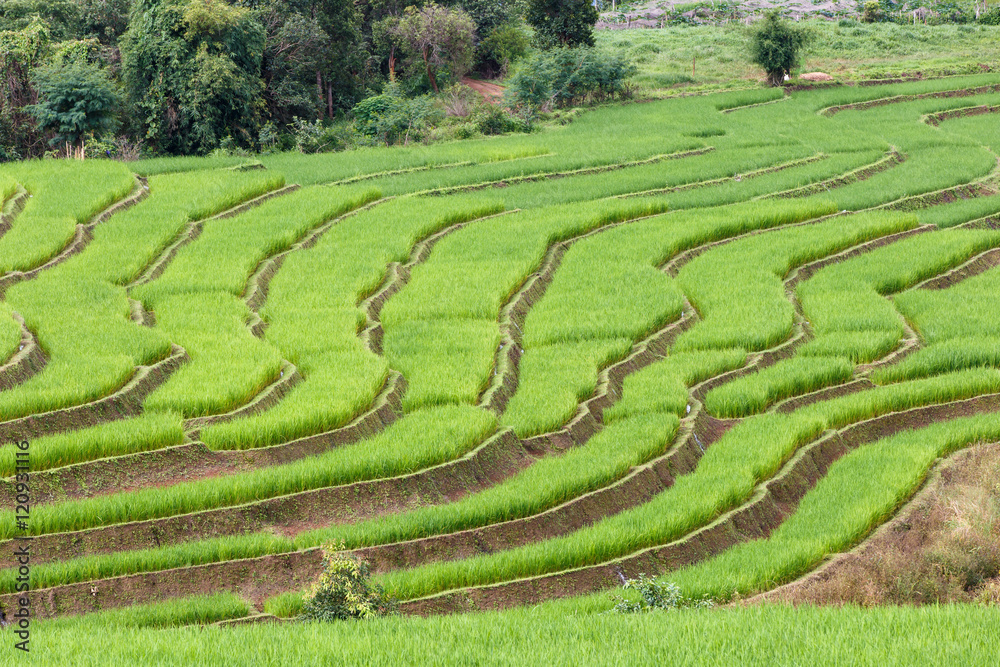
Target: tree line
column 189, row 76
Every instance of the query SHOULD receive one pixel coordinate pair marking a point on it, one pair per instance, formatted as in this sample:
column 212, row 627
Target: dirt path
column 491, row 92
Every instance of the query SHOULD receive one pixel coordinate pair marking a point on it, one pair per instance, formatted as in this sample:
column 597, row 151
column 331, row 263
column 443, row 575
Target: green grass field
column 510, row 372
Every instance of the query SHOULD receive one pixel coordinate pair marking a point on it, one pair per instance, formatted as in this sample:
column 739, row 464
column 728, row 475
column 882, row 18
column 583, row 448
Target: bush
column 344, row 590
column 493, row 119
column 501, row 47
column 656, row 595
column 563, row 77
column 391, row 118
column 459, row 100
column 776, row 46
column 872, row 12
column 992, row 17
column 309, row 137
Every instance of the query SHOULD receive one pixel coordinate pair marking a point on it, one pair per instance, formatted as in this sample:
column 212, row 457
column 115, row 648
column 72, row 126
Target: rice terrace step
column 423, row 377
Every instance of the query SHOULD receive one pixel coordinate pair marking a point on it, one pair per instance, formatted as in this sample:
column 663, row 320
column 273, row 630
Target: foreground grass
column 755, row 636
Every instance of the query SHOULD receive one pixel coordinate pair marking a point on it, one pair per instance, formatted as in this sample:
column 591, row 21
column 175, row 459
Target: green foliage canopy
column 76, row 99
column 562, row 22
column 192, row 70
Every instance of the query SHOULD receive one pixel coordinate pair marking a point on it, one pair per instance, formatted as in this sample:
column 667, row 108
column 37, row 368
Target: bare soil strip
column 140, row 315
column 491, row 462
column 898, row 544
column 936, row 119
column 979, row 264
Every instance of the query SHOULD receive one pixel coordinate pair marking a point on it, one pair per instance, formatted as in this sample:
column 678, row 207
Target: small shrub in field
column 344, row 590
column 656, row 595
column 776, row 46
column 309, row 137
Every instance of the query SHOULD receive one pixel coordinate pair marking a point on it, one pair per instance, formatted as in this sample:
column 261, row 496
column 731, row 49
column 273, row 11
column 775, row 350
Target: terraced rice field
column 715, row 338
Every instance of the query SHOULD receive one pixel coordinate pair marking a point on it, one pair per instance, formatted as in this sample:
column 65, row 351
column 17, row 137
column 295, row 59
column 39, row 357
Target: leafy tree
column 501, row 47
column 392, row 117
column 440, row 37
column 776, row 46
column 293, row 52
column 562, row 22
column 192, row 71
column 76, row 100
column 20, row 52
column 563, row 77
column 342, row 76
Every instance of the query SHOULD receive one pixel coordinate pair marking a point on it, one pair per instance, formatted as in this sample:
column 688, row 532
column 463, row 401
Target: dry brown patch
column 944, row 547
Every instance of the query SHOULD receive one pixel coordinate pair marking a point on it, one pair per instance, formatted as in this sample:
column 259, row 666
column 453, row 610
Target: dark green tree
column 192, row 71
column 776, row 46
column 562, row 22
column 294, row 43
column 340, row 81
column 20, row 52
column 75, row 100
